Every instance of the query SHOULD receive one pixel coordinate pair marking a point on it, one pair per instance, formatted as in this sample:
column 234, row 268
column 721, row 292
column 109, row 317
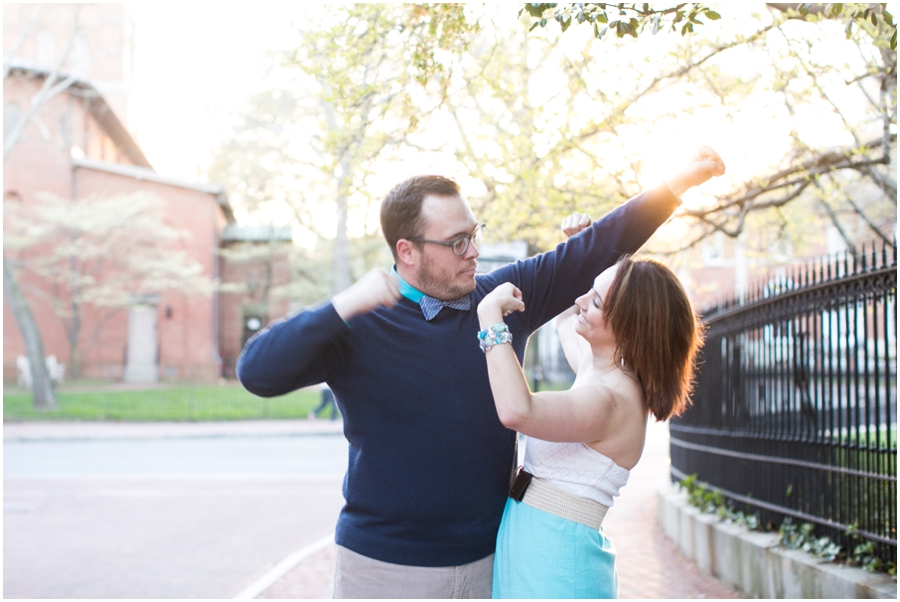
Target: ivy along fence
column 795, row 410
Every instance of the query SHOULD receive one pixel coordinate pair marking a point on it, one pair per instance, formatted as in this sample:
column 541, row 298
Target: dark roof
column 96, row 105
column 235, row 233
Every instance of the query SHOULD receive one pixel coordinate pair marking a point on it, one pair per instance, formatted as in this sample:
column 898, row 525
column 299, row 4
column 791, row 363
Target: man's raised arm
column 553, row 280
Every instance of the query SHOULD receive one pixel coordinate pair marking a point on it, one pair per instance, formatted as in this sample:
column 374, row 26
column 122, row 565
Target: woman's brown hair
column 657, row 332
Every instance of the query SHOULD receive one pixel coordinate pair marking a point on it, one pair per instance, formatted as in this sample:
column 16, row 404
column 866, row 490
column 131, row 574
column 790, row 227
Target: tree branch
column 47, row 92
column 822, row 164
column 7, row 60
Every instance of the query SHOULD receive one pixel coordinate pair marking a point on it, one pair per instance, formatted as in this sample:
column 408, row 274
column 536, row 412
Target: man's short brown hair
column 401, row 209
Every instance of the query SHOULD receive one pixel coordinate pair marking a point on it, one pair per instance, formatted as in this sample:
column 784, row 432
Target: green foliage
column 529, row 162
column 711, row 501
column 864, row 554
column 448, row 31
column 340, row 103
column 791, row 536
column 701, row 496
column 535, row 128
column 802, row 538
column 632, row 18
column 623, row 19
column 176, row 402
column 738, row 517
column 874, row 18
column 883, row 437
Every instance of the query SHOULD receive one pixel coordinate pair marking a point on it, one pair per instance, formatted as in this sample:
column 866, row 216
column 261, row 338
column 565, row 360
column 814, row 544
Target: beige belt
column 543, row 496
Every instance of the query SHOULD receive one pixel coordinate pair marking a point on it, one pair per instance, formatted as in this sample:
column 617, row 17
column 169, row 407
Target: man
column 430, row 463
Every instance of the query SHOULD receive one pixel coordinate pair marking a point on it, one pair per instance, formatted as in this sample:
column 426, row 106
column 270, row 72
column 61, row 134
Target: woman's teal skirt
column 540, row 555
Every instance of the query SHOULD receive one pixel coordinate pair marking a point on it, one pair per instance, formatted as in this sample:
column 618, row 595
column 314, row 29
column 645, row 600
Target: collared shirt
column 431, row 307
column 406, row 289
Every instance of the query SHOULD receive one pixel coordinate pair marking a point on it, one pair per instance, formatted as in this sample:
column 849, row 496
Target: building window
column 63, row 132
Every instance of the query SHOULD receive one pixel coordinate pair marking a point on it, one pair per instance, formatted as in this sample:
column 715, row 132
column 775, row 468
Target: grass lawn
column 875, row 437
column 546, row 385
column 85, row 400
column 177, row 402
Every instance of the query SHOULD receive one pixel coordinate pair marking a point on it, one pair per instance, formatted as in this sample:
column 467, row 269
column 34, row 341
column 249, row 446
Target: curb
column 752, row 563
column 282, row 568
column 108, row 431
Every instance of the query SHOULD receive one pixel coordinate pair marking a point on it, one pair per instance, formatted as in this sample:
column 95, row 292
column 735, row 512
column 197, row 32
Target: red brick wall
column 40, row 162
column 186, row 346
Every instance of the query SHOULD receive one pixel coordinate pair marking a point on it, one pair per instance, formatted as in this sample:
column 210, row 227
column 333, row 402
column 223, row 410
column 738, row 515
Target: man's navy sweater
column 429, row 461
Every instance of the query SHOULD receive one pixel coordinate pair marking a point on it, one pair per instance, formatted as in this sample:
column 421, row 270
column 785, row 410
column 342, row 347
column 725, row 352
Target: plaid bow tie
column 431, row 306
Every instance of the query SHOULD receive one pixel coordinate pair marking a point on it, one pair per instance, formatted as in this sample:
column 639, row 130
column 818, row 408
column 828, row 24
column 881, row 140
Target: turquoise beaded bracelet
column 494, row 335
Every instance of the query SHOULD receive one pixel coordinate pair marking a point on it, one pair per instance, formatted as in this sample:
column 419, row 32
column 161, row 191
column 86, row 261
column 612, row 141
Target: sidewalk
column 77, row 431
column 649, row 565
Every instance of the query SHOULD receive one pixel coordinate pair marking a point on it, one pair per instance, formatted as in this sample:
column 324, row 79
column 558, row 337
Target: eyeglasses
column 461, row 244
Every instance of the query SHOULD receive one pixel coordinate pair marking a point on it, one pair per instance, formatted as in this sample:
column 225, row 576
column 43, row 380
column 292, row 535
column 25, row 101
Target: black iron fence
column 795, row 411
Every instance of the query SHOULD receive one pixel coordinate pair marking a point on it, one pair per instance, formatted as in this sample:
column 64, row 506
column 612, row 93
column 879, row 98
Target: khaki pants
column 358, row 576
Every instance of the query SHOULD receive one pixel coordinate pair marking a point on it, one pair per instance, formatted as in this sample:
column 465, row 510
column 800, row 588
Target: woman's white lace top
column 576, row 468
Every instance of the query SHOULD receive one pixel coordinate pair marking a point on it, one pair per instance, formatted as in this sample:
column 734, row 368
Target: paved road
column 298, row 457
column 206, row 511
column 141, row 517
column 649, row 565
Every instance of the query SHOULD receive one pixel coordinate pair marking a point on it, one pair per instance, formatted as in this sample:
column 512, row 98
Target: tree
column 849, row 179
column 97, row 254
column 548, row 122
column 354, row 94
column 541, row 134
column 623, row 19
column 42, row 387
column 632, row 19
column 860, row 15
column 75, row 25
column 826, row 174
column 556, row 153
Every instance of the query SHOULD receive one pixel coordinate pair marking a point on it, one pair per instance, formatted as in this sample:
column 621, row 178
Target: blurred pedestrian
column 327, row 402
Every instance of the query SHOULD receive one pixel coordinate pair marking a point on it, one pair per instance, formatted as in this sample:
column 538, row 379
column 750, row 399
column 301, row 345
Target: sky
column 213, row 59
column 192, row 69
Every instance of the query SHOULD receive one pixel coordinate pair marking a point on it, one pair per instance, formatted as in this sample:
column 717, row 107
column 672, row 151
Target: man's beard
column 441, row 284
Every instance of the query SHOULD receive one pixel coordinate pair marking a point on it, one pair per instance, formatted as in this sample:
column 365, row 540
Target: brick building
column 77, row 148
column 254, row 263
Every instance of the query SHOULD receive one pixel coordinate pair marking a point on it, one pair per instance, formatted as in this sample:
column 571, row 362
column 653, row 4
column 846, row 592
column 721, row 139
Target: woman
column 632, row 341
